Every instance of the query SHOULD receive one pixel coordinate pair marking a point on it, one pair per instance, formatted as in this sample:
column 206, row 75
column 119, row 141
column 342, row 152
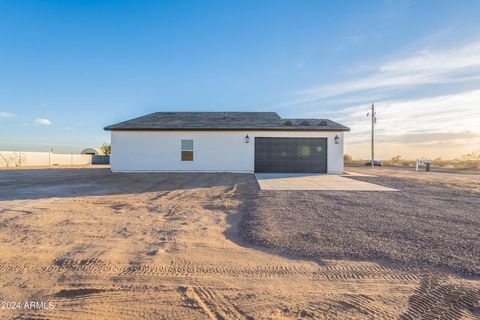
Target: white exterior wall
column 217, row 151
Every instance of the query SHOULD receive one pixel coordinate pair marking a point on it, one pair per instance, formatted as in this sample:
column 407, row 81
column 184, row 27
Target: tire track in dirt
column 188, row 269
column 213, row 304
column 17, row 207
column 16, row 204
column 364, row 305
column 159, row 203
column 177, row 197
column 436, row 299
column 90, row 302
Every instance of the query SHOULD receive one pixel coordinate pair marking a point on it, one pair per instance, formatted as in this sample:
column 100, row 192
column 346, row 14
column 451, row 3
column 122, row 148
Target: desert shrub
column 106, row 148
column 474, row 156
column 396, row 158
column 10, row 159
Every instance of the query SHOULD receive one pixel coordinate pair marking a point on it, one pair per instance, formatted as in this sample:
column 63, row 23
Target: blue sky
column 69, row 68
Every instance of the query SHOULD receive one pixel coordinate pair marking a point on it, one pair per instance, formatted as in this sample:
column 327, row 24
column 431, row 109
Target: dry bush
column 10, row 159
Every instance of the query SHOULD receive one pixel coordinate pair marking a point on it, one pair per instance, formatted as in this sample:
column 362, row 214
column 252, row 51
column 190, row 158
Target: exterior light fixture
column 337, row 139
column 247, row 139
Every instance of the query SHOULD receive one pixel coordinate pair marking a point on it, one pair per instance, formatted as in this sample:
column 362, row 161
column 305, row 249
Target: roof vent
column 225, row 115
column 304, row 123
column 288, row 123
column 323, row 123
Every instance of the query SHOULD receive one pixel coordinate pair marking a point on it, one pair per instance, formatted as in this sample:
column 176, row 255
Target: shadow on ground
column 62, row 183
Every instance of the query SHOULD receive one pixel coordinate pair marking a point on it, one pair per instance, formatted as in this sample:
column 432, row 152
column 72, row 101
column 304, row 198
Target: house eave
column 345, row 129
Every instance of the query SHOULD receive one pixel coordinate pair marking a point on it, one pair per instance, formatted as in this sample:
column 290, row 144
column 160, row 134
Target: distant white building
column 93, row 151
column 227, row 142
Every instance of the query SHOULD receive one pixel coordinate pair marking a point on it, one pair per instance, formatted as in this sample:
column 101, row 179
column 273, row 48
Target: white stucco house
column 226, row 142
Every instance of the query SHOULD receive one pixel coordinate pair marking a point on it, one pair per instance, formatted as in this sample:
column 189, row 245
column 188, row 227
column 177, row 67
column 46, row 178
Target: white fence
column 26, row 159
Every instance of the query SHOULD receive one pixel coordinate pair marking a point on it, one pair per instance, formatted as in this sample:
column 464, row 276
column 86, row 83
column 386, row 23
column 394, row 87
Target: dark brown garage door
column 291, row 155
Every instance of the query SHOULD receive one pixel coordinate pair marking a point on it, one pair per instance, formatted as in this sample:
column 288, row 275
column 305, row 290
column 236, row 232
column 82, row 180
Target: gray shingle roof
column 218, row 121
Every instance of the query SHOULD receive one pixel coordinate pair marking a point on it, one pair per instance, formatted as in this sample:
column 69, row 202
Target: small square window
column 187, row 150
column 187, row 145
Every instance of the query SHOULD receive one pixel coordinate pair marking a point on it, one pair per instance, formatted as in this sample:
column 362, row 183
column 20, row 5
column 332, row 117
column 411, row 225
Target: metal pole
column 374, row 120
column 373, row 134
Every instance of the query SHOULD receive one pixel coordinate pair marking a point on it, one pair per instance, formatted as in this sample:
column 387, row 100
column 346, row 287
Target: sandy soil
column 165, row 246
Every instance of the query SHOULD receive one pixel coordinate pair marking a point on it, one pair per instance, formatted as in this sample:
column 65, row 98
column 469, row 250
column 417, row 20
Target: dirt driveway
column 98, row 245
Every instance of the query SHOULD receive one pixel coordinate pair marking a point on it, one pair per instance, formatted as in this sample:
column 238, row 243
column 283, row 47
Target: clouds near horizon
column 457, row 64
column 429, row 98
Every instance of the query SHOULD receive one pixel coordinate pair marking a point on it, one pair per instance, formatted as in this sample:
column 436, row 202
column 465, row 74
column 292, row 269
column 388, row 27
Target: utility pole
column 373, row 116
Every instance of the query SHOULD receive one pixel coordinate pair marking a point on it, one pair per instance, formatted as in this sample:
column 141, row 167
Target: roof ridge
column 215, row 120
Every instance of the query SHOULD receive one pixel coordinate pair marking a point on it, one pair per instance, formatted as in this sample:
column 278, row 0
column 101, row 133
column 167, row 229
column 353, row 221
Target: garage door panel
column 290, row 154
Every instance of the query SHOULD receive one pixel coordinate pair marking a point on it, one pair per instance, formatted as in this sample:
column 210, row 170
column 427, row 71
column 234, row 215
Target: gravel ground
column 424, row 225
